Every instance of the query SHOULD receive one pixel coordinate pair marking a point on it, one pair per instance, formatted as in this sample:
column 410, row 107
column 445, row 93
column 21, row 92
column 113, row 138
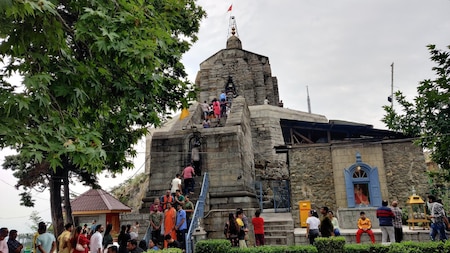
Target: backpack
column 231, row 231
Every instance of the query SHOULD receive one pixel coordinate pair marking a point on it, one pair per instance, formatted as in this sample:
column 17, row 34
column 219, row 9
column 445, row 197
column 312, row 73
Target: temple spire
column 232, row 28
column 233, row 41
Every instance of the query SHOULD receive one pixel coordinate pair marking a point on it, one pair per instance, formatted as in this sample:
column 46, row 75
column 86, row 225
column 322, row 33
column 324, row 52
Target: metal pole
column 392, row 85
column 309, row 102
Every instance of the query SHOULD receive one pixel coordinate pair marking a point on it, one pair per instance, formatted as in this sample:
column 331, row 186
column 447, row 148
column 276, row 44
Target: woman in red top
column 80, row 238
column 258, row 228
column 216, row 108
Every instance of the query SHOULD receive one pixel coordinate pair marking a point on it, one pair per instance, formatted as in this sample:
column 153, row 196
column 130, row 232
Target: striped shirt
column 397, row 222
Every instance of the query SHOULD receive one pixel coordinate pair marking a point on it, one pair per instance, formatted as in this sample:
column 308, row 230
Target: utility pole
column 309, row 102
column 392, row 85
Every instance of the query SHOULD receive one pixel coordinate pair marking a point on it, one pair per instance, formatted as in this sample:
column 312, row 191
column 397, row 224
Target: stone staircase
column 278, row 228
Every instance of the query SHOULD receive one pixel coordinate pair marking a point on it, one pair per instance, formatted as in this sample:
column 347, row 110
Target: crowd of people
column 171, row 214
column 237, row 227
column 74, row 239
column 216, row 109
column 389, row 218
column 325, row 226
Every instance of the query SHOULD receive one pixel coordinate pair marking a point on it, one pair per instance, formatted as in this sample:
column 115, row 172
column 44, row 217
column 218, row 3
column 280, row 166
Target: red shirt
column 258, row 225
column 155, row 208
column 188, row 172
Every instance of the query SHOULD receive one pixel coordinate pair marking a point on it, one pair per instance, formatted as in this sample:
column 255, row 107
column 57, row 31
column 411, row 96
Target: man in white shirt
column 96, row 240
column 176, row 185
column 3, row 243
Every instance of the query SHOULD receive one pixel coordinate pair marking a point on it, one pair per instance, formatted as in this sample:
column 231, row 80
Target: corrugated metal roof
column 318, row 132
column 98, row 200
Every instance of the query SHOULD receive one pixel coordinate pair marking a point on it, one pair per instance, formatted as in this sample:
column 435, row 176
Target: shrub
column 417, row 247
column 171, row 250
column 357, row 248
column 379, row 248
column 331, row 244
column 447, row 246
column 278, row 249
column 213, row 246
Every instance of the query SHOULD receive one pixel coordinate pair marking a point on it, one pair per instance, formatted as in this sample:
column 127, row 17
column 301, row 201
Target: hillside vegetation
column 132, row 191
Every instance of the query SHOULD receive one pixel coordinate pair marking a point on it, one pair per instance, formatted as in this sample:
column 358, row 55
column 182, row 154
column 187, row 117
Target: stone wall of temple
column 405, row 168
column 250, row 72
column 267, row 134
column 344, row 156
column 316, row 172
column 225, row 152
column 311, row 178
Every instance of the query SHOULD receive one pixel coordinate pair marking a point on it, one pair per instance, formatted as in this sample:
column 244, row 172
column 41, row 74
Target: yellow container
column 304, row 206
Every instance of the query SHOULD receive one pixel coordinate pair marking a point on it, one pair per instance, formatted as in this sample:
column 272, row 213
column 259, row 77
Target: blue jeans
column 438, row 227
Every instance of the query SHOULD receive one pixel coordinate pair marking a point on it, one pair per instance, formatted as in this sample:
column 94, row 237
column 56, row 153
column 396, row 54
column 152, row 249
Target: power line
column 21, row 217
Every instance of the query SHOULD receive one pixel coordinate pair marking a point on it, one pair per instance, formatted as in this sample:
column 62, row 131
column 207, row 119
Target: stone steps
column 278, row 228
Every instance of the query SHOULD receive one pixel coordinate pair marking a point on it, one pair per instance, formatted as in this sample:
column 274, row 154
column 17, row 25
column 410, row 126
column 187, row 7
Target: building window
column 359, row 173
column 362, row 196
column 362, row 184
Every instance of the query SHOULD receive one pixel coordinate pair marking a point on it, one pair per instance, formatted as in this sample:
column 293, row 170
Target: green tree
column 35, row 219
column 96, row 75
column 428, row 115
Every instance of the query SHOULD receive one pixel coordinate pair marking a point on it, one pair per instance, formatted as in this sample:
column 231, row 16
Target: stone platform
column 417, row 235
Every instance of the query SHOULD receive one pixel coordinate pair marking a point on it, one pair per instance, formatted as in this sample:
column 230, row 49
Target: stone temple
column 265, row 156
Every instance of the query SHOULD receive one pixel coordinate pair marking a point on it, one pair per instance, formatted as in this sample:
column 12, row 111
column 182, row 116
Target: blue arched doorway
column 362, row 184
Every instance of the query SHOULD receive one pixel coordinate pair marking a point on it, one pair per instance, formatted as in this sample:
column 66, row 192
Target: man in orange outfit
column 170, row 216
column 364, row 226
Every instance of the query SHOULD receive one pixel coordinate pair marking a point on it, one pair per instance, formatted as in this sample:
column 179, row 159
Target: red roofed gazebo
column 99, row 205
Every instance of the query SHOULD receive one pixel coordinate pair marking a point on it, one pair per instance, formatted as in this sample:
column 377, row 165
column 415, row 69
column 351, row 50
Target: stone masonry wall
column 311, row 175
column 344, row 156
column 251, row 74
column 405, row 168
column 316, row 172
column 266, row 134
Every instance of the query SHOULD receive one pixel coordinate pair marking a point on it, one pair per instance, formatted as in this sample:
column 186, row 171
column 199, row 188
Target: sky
column 341, row 50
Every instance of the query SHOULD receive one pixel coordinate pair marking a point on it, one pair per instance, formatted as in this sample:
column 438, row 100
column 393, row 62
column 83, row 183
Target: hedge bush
column 331, row 244
column 277, row 249
column 325, row 245
column 357, row 248
column 171, row 250
column 213, row 246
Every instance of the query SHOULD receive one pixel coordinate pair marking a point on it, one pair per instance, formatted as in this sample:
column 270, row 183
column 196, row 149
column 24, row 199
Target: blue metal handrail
column 198, row 213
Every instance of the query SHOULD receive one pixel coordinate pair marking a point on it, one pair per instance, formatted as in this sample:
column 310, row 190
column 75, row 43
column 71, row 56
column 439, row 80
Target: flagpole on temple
column 309, row 101
column 232, row 22
column 392, row 85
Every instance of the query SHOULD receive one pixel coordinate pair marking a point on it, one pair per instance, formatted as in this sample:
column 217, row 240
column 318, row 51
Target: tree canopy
column 428, row 115
column 96, row 74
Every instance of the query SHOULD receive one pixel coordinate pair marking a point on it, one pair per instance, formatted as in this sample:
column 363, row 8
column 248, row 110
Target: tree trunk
column 55, row 203
column 67, row 206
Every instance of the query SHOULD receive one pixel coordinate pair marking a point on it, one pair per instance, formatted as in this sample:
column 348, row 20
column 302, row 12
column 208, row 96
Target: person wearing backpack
column 231, row 230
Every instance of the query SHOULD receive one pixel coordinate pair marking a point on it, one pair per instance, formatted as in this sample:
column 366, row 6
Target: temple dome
column 234, row 42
